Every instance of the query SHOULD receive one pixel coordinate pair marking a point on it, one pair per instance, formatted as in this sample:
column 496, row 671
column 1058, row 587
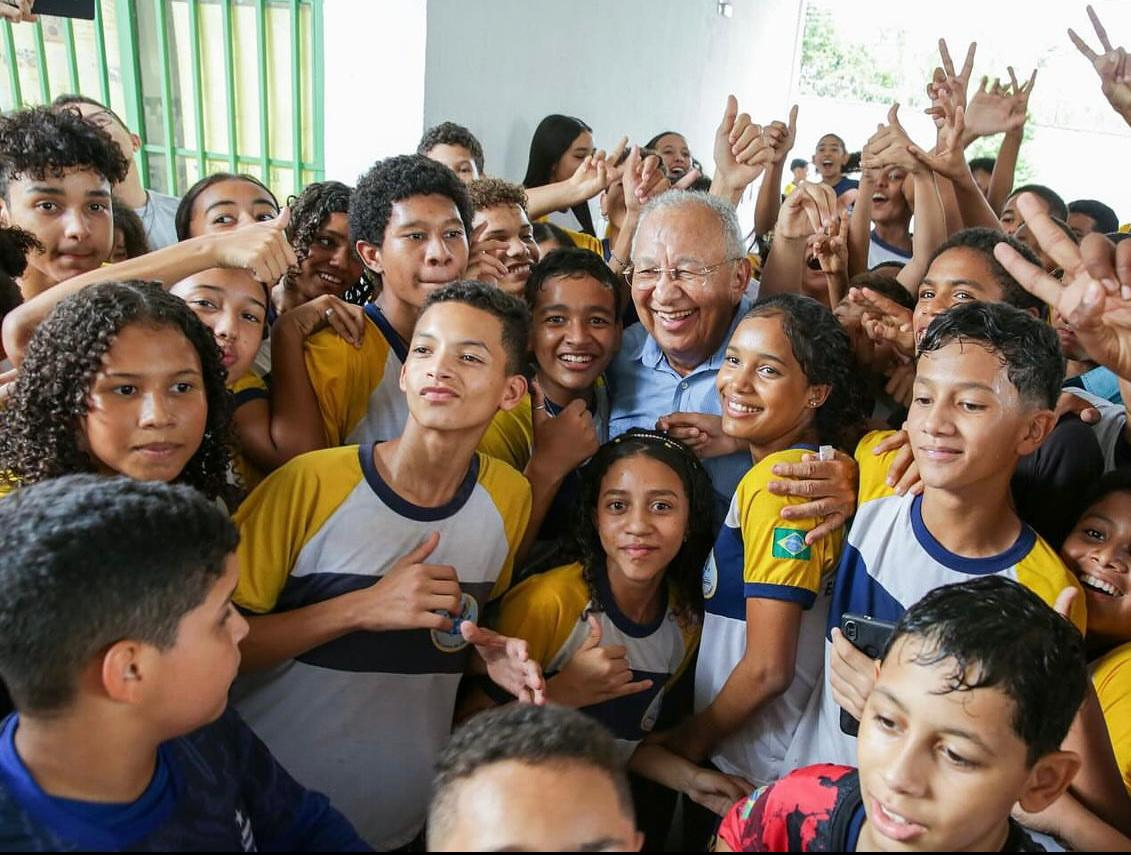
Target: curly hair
column 40, row 427
column 309, row 211
column 491, row 192
column 39, row 142
column 824, row 351
column 182, row 220
column 15, row 244
column 449, row 133
column 685, row 572
column 397, row 178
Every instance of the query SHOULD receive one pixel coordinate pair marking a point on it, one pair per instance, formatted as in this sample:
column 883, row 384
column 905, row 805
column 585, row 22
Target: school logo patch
column 790, row 543
column 710, row 577
column 452, row 641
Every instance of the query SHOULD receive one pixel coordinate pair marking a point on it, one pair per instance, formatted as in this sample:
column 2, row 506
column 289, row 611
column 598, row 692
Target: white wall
column 374, row 81
column 632, row 67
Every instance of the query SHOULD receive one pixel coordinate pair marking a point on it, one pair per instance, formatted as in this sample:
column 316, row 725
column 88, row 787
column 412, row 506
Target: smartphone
column 65, row 8
column 868, row 635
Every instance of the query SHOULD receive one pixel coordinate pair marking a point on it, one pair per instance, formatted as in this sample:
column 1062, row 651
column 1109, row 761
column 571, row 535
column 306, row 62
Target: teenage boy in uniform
column 364, row 570
column 56, row 171
column 118, row 641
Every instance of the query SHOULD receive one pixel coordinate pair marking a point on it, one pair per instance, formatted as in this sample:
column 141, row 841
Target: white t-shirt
column 158, row 215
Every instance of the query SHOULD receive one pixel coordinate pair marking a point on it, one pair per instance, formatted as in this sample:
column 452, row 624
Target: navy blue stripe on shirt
column 856, row 591
column 624, row 716
column 398, row 344
column 404, row 507
column 971, row 566
column 246, row 395
column 786, row 593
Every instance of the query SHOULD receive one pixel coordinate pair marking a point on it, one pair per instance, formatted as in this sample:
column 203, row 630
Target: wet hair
column 39, row 143
column 549, row 231
column 685, row 572
column 824, row 351
column 1028, row 348
column 183, row 218
column 1000, row 635
column 985, row 164
column 1057, row 208
column 983, row 241
column 309, row 212
column 511, row 312
column 449, row 133
column 15, row 244
column 548, row 735
column 889, row 286
column 493, row 192
column 133, row 229
column 395, row 179
column 573, row 263
column 552, row 139
column 87, row 561
column 1105, row 218
column 40, row 427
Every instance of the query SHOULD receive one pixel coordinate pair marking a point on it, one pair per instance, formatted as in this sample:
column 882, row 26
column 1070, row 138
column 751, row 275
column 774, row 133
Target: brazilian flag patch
column 790, row 543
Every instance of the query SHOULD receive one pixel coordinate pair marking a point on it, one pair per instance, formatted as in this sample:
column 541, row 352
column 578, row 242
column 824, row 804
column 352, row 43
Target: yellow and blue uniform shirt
column 358, row 389
column 250, row 387
column 890, row 561
column 550, row 611
column 760, row 555
column 1111, row 675
column 362, row 718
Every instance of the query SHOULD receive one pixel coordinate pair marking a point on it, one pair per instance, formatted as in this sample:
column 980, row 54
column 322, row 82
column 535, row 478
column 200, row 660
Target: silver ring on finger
column 329, row 313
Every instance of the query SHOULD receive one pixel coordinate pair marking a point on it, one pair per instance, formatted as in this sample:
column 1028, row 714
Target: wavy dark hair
column 40, row 427
column 685, row 572
column 183, row 218
column 15, row 244
column 824, row 351
column 309, row 211
column 552, row 138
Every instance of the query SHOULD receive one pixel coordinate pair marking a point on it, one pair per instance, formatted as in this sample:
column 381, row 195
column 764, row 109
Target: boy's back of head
column 493, row 760
column 1001, row 635
column 87, row 561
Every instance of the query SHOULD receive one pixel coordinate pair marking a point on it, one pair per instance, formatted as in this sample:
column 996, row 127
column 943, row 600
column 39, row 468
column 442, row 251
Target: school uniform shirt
column 643, row 387
column 158, row 217
column 550, row 611
column 818, row 809
column 216, row 789
column 358, row 389
column 845, row 184
column 890, row 561
column 760, row 555
column 250, row 387
column 880, row 251
column 1111, row 675
column 363, row 717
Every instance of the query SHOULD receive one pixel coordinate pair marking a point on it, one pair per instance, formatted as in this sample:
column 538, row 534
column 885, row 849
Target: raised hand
column 890, row 146
column 1094, row 295
column 562, row 442
column 885, row 320
column 482, row 263
column 996, row 109
column 784, row 135
column 806, row 210
column 1112, row 66
column 595, row 673
column 260, row 248
column 17, row 11
column 742, row 149
column 958, row 82
column 949, row 156
column 508, row 662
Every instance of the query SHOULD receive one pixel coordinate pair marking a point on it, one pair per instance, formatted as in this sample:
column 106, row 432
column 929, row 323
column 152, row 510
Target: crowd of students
column 420, row 513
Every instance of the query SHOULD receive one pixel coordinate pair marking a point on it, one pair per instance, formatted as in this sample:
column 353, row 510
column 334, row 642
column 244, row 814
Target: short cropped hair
column 449, row 133
column 89, row 560
column 39, row 142
column 573, row 262
column 983, row 241
column 889, row 286
column 523, row 733
column 723, row 211
column 1001, row 635
column 985, row 164
column 492, row 192
column 1028, row 348
column 395, row 179
column 511, row 312
column 1106, row 220
column 798, row 163
column 1057, row 208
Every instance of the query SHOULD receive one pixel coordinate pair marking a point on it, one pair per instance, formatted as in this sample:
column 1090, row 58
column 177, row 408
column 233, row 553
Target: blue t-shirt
column 216, row 789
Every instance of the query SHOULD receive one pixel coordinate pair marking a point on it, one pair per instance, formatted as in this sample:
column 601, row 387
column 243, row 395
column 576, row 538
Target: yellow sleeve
column 1112, row 679
column 1043, row 573
column 343, row 378
column 511, row 494
column 544, row 610
column 510, row 436
column 282, row 514
column 874, row 468
column 250, row 387
column 777, row 563
column 692, row 632
column 584, row 241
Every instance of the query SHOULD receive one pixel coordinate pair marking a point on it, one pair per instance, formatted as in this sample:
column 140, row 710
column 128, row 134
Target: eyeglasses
column 649, row 277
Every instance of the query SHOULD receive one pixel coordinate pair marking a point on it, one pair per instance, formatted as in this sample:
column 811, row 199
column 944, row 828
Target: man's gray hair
column 723, row 211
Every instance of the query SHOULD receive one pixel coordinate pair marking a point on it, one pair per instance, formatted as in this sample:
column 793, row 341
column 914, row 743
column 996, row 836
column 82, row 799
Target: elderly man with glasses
column 689, row 278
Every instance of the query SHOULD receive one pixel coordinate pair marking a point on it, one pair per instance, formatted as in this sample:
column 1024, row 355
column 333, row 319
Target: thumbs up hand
column 596, row 673
column 562, row 442
column 260, row 248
